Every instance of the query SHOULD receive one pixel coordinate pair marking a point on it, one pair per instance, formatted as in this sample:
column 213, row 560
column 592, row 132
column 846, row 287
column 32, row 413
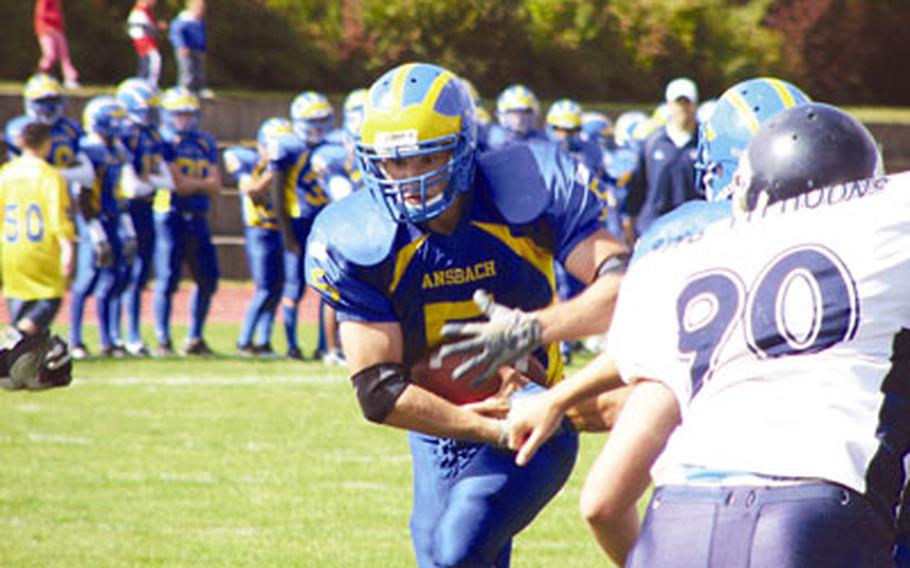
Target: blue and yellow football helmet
column 103, row 115
column 140, row 99
column 43, row 98
column 270, row 132
column 353, row 112
column 564, row 114
column 723, row 138
column 626, row 125
column 181, row 109
column 312, row 117
column 596, row 127
column 517, row 108
column 418, row 109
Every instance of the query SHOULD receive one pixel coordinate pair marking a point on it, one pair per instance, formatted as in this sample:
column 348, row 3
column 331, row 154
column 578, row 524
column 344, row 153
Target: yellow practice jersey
column 35, row 205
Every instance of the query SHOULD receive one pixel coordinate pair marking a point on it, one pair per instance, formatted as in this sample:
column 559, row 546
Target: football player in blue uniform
column 181, row 224
column 143, row 140
column 608, row 508
column 597, row 127
column 563, row 122
column 267, row 204
column 481, row 115
column 44, row 102
column 404, row 258
column 104, row 227
column 340, row 176
column 517, row 113
column 307, row 171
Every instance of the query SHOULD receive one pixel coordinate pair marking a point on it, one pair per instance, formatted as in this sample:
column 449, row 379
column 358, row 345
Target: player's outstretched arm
column 621, row 473
column 533, row 419
column 599, row 260
column 387, row 396
column 510, row 334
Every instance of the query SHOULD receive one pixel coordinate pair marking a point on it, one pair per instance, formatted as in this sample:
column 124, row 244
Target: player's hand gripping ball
column 434, row 373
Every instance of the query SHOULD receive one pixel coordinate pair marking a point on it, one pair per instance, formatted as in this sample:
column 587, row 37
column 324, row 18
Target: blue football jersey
column 305, row 185
column 195, row 154
column 529, row 205
column 498, row 137
column 65, row 136
column 107, row 162
column 331, row 160
column 146, row 148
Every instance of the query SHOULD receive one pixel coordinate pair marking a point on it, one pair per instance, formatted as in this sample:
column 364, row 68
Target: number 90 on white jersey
column 775, row 330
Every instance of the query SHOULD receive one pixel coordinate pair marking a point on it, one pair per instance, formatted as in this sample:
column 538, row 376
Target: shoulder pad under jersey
column 622, row 164
column 69, row 126
column 335, row 136
column 94, row 148
column 167, row 133
column 207, row 141
column 496, row 137
column 329, row 157
column 284, row 149
column 356, row 227
column 14, row 131
column 520, row 179
column 239, row 160
column 682, row 223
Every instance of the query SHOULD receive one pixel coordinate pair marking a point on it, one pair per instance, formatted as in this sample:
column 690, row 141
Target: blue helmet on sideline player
column 181, row 109
column 517, row 109
column 737, row 116
column 270, row 129
column 564, row 122
column 626, row 124
column 140, row 99
column 418, row 109
column 43, row 98
column 312, row 117
column 353, row 110
column 596, row 127
column 104, row 116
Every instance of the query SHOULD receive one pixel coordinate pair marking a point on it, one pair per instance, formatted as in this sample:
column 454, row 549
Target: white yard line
column 206, row 381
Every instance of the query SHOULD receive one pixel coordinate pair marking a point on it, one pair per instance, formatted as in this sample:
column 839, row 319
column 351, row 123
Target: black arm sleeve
column 378, row 387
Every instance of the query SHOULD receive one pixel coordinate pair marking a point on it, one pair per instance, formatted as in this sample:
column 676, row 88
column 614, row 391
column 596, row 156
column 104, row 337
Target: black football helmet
column 805, row 147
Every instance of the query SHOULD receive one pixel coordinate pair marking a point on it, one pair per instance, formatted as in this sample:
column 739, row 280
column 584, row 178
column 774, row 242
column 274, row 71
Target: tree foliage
column 839, row 50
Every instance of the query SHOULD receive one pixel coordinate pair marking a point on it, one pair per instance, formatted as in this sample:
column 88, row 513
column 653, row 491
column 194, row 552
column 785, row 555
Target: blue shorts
column 470, row 499
column 798, row 526
column 40, row 312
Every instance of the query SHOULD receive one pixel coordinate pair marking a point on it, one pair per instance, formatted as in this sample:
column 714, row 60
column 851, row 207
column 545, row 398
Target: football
column 434, row 373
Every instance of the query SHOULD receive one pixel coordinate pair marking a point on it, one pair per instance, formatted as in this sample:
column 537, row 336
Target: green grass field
column 223, row 462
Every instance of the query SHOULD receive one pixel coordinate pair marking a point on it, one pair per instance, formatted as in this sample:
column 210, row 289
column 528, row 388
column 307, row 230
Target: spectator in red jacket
column 51, row 35
column 144, row 30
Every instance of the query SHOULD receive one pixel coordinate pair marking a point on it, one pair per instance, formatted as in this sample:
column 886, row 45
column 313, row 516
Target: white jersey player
column 768, row 339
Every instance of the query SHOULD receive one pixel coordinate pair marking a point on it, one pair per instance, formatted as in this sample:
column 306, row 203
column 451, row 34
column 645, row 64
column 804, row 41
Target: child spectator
column 38, row 235
column 144, row 30
column 51, row 35
column 188, row 37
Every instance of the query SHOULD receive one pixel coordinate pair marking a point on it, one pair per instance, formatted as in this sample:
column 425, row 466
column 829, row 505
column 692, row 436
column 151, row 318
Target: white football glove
column 104, row 255
column 130, row 240
column 509, row 335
